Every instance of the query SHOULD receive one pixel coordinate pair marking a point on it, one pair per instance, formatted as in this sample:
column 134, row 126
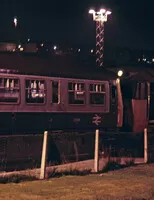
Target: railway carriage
column 48, row 94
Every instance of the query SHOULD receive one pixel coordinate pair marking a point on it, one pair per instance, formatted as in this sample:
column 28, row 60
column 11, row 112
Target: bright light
column 120, row 73
column 42, row 45
column 15, row 21
column 19, row 46
column 152, row 59
column 55, row 47
column 102, row 10
column 28, row 39
column 79, row 50
column 108, row 12
column 21, row 49
column 91, row 11
column 100, row 15
column 92, row 51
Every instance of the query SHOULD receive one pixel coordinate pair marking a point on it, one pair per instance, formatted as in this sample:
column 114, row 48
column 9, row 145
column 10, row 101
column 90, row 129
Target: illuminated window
column 97, row 94
column 55, row 92
column 35, row 91
column 9, row 90
column 76, row 93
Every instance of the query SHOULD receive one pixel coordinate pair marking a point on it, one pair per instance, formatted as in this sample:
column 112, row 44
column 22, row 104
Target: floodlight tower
column 100, row 17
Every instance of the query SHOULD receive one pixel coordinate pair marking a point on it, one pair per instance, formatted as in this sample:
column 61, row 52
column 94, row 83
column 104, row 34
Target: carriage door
column 151, row 110
column 139, row 106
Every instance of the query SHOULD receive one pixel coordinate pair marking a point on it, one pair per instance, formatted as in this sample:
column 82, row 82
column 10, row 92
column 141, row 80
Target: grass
column 134, row 183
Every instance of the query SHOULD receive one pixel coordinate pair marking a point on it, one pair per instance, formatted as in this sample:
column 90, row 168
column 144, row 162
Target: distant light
column 79, row 50
column 144, row 59
column 21, row 49
column 108, row 12
column 92, row 50
column 15, row 21
column 91, row 11
column 55, row 47
column 102, row 11
column 14, row 50
column 42, row 45
column 28, row 39
column 152, row 59
column 19, row 46
column 139, row 59
column 120, row 73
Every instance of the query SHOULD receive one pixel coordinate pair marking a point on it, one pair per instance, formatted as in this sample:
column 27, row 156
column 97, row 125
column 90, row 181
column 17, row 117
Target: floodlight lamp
column 102, row 11
column 108, row 12
column 91, row 11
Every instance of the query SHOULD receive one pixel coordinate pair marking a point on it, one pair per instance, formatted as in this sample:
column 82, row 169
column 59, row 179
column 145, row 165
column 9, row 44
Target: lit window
column 97, row 94
column 76, row 93
column 35, row 91
column 9, row 90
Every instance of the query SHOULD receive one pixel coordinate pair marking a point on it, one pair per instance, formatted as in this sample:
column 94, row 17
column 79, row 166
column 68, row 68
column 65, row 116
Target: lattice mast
column 100, row 17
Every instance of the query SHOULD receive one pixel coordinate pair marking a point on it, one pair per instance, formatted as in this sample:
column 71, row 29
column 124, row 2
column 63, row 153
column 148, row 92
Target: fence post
column 145, row 146
column 43, row 160
column 96, row 158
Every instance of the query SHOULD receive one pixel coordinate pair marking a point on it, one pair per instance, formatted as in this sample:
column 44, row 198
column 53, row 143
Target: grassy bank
column 135, row 183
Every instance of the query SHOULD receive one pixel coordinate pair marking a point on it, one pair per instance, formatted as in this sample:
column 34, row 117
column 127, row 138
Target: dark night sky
column 131, row 24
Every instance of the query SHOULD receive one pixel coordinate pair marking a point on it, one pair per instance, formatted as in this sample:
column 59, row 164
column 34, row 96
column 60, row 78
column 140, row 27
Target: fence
column 25, row 151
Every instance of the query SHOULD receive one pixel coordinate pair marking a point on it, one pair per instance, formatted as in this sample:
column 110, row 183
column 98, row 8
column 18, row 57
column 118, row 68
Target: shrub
column 129, row 163
column 66, row 172
column 16, row 178
column 112, row 165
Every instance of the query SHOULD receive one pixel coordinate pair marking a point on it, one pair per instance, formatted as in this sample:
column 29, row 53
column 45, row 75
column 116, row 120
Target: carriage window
column 9, row 90
column 35, row 91
column 97, row 94
column 55, row 92
column 76, row 93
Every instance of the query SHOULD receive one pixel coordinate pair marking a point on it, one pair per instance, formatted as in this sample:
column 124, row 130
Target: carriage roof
column 59, row 66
